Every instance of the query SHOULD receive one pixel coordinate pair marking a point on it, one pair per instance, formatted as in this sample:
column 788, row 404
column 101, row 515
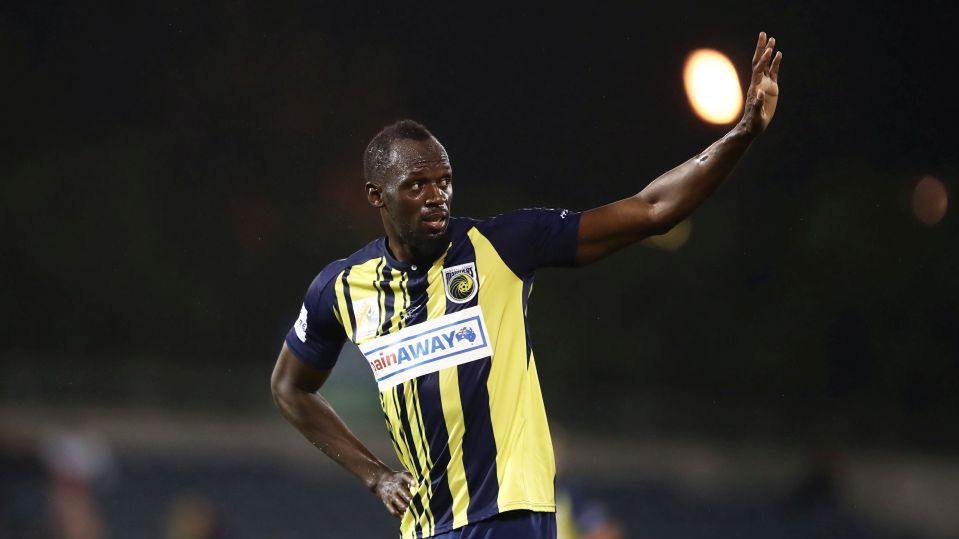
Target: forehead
column 407, row 155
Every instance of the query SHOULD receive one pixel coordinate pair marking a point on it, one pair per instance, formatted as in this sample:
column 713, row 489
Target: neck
column 398, row 248
column 413, row 250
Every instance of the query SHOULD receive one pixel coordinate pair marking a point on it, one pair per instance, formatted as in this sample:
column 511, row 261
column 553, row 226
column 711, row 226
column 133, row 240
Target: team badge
column 461, row 282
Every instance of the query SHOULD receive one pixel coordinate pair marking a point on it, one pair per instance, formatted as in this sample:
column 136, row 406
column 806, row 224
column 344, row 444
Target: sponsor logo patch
column 460, row 282
column 409, row 313
column 436, row 344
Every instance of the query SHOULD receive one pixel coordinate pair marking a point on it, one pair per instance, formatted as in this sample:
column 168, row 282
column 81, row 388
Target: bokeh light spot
column 674, row 239
column 712, row 86
column 930, row 200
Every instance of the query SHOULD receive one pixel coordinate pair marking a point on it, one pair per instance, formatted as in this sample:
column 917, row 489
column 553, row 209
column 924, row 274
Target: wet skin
column 413, row 196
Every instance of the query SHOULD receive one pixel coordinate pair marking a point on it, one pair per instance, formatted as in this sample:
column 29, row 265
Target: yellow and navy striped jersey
column 449, row 347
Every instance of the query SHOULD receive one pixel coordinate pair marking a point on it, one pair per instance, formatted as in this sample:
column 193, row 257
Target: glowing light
column 930, row 200
column 674, row 239
column 712, row 86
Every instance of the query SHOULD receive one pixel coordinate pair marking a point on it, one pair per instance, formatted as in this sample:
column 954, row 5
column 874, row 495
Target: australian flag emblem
column 466, row 333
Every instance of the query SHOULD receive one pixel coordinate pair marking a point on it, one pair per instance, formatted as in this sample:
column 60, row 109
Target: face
column 415, row 195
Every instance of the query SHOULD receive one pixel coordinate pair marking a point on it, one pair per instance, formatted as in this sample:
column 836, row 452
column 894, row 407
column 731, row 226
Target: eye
column 445, row 183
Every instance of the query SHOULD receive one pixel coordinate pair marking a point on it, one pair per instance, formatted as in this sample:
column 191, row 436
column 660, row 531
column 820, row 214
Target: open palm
column 763, row 93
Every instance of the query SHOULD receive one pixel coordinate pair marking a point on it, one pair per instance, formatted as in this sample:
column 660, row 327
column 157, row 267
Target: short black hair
column 376, row 158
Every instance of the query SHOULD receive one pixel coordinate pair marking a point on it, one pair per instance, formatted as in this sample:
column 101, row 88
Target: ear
column 374, row 194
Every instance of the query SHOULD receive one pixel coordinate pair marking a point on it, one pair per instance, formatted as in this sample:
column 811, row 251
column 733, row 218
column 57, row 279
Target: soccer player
column 438, row 308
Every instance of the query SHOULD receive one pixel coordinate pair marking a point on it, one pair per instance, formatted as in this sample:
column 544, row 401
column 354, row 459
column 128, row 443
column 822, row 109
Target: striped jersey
column 448, row 345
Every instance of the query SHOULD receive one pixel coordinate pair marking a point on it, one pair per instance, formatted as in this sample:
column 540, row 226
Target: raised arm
column 295, row 390
column 672, row 197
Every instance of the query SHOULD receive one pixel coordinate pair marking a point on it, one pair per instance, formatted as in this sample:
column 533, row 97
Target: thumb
column 760, row 100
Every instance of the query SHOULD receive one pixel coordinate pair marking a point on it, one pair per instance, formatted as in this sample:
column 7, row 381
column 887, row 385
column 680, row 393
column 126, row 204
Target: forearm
column 674, row 195
column 313, row 416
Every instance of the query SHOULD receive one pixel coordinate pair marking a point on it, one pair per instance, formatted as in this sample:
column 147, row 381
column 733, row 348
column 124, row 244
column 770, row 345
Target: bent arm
column 673, row 196
column 665, row 202
column 295, row 385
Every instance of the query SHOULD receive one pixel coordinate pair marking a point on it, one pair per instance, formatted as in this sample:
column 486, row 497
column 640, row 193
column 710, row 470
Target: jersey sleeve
column 532, row 238
column 317, row 337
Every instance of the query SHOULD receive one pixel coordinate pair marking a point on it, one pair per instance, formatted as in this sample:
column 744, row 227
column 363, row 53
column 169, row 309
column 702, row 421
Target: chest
column 378, row 298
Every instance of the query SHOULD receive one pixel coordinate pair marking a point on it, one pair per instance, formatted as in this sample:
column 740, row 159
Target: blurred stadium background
column 173, row 175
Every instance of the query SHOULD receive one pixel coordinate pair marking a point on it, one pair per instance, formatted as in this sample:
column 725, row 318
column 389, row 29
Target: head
column 409, row 179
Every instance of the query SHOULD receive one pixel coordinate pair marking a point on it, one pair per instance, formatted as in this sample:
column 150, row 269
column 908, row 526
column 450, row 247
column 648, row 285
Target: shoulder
column 328, row 274
column 530, row 238
column 526, row 223
column 513, row 217
column 523, row 216
column 462, row 225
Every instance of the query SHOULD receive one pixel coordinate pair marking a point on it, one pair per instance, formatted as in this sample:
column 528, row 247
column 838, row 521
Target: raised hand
column 763, row 93
column 394, row 489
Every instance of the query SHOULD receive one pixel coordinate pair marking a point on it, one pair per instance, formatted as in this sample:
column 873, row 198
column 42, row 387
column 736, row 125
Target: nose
column 435, row 196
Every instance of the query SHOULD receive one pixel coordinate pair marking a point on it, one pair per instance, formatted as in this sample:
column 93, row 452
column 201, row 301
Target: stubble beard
column 425, row 248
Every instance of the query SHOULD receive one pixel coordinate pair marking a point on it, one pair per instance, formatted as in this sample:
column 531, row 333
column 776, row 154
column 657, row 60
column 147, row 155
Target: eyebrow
column 417, row 172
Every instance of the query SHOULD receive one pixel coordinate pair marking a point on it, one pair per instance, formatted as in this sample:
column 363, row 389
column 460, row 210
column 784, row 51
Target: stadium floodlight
column 712, row 86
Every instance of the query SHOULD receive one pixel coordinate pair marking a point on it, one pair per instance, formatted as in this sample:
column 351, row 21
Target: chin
column 429, row 246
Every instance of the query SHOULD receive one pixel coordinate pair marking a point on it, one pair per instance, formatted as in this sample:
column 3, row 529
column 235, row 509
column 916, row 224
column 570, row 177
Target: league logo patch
column 367, row 314
column 301, row 324
column 461, row 282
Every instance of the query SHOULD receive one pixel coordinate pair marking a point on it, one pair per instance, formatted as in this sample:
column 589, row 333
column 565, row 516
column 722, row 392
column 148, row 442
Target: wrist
column 745, row 131
column 376, row 476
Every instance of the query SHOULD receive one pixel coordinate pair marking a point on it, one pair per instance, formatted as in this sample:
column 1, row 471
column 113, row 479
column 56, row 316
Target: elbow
column 280, row 389
column 658, row 216
column 285, row 398
column 662, row 218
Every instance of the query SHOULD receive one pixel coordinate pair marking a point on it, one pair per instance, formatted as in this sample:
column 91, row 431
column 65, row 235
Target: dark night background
column 172, row 176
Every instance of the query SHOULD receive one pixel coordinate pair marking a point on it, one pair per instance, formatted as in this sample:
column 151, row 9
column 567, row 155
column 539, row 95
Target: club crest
column 461, row 282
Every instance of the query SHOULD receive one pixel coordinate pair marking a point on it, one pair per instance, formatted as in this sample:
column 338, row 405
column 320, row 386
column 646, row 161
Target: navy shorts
column 508, row 525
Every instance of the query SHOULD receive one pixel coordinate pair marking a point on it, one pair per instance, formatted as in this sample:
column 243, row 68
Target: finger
column 770, row 46
column 398, row 509
column 764, row 61
column 760, row 47
column 774, row 69
column 760, row 100
column 761, row 67
column 393, row 510
column 398, row 506
column 404, row 495
column 755, row 106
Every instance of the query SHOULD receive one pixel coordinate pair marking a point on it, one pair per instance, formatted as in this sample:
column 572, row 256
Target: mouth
column 435, row 222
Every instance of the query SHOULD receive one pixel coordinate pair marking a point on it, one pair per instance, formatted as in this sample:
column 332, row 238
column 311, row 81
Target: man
column 438, row 308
